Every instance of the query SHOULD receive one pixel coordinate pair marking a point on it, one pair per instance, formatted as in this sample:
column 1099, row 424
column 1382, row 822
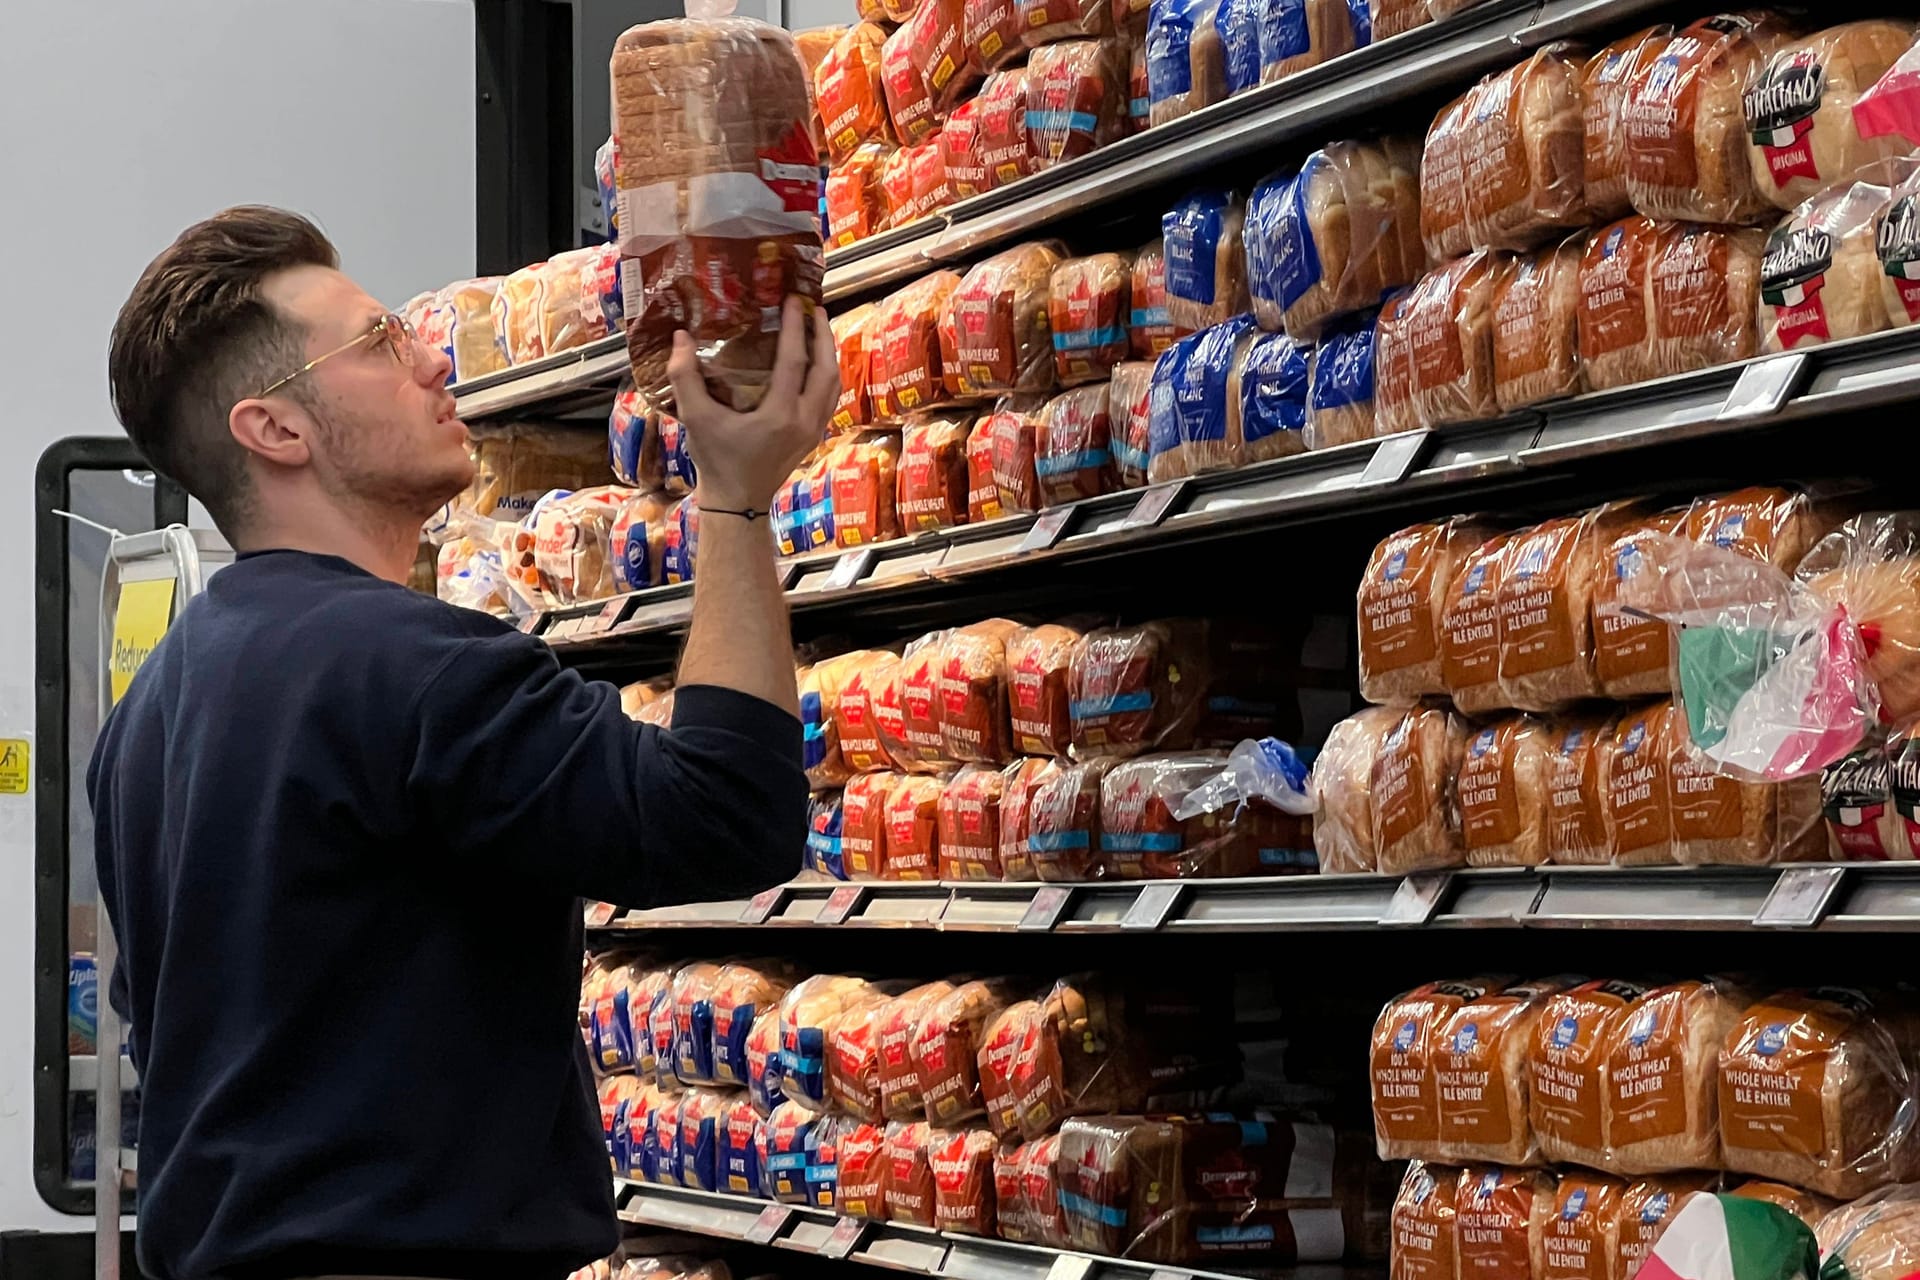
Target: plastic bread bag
column 853, row 339
column 472, row 339
column 1139, row 90
column 1019, row 782
column 991, row 30
column 713, row 105
column 1000, row 1043
column 1804, row 1205
column 1443, row 174
column 905, row 364
column 863, row 825
column 1045, row 22
column 1892, row 105
column 1576, row 812
column 582, row 302
column 783, row 1168
column 1294, row 37
column 1037, row 663
column 1187, row 407
column 819, row 685
column 1566, row 1063
column 1342, row 788
column 813, row 44
column 1615, row 327
column 807, row 1014
column 572, row 545
column 1129, row 420
column 825, row 822
column 1803, row 135
column 802, row 512
column 1340, row 380
column 702, row 1120
column 1875, row 1238
column 1635, row 761
column 1063, row 823
column 1006, row 147
column 983, row 495
column 939, row 52
column 693, row 987
column 1076, row 97
column 913, row 828
column 677, row 472
column 932, row 475
column 1816, row 1089
column 865, row 689
column 1184, row 71
column 1260, row 240
column 637, row 542
column 895, row 11
column 860, row 1189
column 1205, row 261
column 921, row 744
column 1335, row 228
column 853, row 1057
column 1450, row 336
column 972, row 673
column 1139, row 688
column 1073, row 447
column 633, row 441
column 1236, row 25
column 1415, row 807
column 1000, row 311
column 1391, row 17
column 969, row 822
column 1088, row 303
column 1422, row 1228
column 1267, row 398
column 1402, row 608
column 896, row 187
column 1480, row 1073
column 909, row 1179
column 948, row 1037
column 1820, row 274
column 847, row 85
column 741, row 993
column 1899, row 249
column 856, row 202
column 928, row 166
column 1153, row 329
column 1545, row 624
column 1246, row 816
column 1630, row 652
column 1604, row 82
column 961, row 153
column 1525, row 145
column 1659, row 1075
column 1686, row 133
column 517, row 308
column 909, row 104
column 1536, row 321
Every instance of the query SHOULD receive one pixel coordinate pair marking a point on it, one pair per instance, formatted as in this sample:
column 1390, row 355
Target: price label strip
column 1766, row 385
column 767, row 1227
column 1048, row 529
column 610, row 615
column 763, row 905
column 529, row 624
column 850, row 568
column 846, row 1237
column 1417, row 898
column 841, row 903
column 1154, row 905
column 1394, row 457
column 1800, row 898
column 1044, row 912
column 1155, row 505
column 1070, row 1266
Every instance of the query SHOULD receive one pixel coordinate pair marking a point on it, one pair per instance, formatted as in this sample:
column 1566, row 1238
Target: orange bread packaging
column 1503, row 792
column 868, row 683
column 856, row 198
column 946, row 1048
column 1545, row 632
column 1604, row 82
column 1658, row 1105
column 1402, row 603
column 1501, row 1215
column 863, row 824
column 961, row 154
column 1415, row 808
column 963, row 1183
column 1423, row 1229
column 864, row 484
column 899, row 1077
column 932, row 477
column 1480, row 1068
column 970, row 824
column 905, row 365
column 913, row 828
column 1011, row 431
column 973, row 686
column 1524, row 151
column 1406, row 1051
column 853, row 334
column 920, row 745
column 1536, row 325
column 847, row 86
column 991, row 32
column 1449, row 334
column 1567, row 1059
column 1005, row 146
column 1576, row 811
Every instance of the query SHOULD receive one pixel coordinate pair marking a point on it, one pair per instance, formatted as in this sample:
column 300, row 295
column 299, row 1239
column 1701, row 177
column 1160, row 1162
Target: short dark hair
column 195, row 337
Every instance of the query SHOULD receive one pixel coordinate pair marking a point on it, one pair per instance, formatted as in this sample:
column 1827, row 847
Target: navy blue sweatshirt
column 343, row 830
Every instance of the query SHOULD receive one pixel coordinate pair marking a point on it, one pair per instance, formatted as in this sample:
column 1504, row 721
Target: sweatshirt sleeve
column 522, row 767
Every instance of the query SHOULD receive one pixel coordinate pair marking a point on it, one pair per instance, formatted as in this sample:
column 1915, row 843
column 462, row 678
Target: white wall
column 127, row 120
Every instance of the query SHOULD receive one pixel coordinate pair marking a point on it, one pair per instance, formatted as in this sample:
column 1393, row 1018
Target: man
column 343, row 829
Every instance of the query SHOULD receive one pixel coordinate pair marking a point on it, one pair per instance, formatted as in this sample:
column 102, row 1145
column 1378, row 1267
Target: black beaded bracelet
column 746, row 513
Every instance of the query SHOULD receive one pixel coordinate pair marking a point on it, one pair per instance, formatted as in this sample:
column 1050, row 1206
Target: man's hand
column 743, row 458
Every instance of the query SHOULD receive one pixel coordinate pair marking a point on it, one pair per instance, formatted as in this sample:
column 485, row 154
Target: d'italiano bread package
column 1799, row 109
column 718, row 182
column 1820, row 273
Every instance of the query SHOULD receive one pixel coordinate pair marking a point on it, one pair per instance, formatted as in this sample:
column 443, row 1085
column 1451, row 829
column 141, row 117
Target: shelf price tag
column 1417, row 898
column 1394, row 457
column 1154, row 505
column 1155, row 903
column 790, row 575
column 846, row 1237
column 841, row 903
column 1048, row 905
column 1168, row 1273
column 1048, row 529
column 599, row 915
column 772, row 1220
column 530, row 624
column 611, row 613
column 1070, row 1266
column 763, row 904
column 850, row 568
column 1764, row 386
column 1800, row 898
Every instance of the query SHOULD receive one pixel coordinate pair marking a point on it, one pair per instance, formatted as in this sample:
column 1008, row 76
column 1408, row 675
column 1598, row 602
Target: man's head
column 236, row 305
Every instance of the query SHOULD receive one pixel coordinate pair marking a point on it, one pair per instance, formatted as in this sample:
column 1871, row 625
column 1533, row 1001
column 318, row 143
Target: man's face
column 385, row 432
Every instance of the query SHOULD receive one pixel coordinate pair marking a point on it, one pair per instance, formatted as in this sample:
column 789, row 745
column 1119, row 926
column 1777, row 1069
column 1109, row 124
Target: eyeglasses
column 390, row 329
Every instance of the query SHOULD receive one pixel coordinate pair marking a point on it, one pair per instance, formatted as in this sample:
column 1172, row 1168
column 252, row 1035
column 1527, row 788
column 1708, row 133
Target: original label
column 1793, row 272
column 1898, row 245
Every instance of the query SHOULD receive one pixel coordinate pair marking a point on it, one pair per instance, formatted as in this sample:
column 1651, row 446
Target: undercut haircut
column 195, row 337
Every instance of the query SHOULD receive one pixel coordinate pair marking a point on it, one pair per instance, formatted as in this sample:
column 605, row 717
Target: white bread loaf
column 1343, row 791
column 1603, row 89
column 1296, row 37
column 1660, row 1076
column 1820, row 273
column 1336, row 231
column 1340, row 383
column 716, row 151
column 1525, row 172
column 1402, row 606
column 1416, row 812
column 1685, row 123
column 1206, row 270
column 1536, row 324
column 1186, row 65
column 1799, row 109
column 1503, row 794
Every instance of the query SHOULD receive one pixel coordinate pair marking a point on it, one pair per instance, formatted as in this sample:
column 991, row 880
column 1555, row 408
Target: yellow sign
column 16, row 766
column 145, row 610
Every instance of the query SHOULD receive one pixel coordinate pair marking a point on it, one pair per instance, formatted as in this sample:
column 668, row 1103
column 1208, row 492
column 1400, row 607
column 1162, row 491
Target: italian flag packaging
column 1716, row 1237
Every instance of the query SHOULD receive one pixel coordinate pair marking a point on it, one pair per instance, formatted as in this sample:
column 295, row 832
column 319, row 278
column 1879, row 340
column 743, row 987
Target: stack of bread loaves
column 1564, row 759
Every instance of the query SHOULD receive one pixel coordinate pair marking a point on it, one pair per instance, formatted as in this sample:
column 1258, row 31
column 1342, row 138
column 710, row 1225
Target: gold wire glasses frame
column 390, row 329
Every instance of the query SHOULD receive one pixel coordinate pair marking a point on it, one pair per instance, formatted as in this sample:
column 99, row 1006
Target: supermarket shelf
column 895, row 1246
column 83, row 1073
column 1465, row 463
column 555, row 385
column 1838, row 898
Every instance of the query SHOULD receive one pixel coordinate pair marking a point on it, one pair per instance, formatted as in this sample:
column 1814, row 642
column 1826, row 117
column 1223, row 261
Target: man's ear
column 274, row 430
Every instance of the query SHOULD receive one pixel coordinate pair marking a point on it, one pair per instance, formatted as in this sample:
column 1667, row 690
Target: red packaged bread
column 1019, row 782
column 899, row 1077
column 1063, row 822
column 896, row 186
column 909, row 1188
column 1142, row 839
column 1139, row 85
column 1803, row 137
column 1576, row 816
column 1450, row 332
column 906, row 371
column 1416, row 811
column 1013, row 431
column 1013, row 1220
column 1443, row 168
column 920, row 746
column 847, row 86
column 1603, row 90
column 1089, row 302
column 1481, row 1071
column 913, row 828
column 932, row 475
column 909, row 104
column 1037, row 664
column 867, row 682
column 1130, row 420
column 1005, row 146
column 963, row 1182
column 853, row 334
column 961, row 152
column 991, row 31
column 1470, row 629
column 1073, row 447
column 983, row 495
column 1076, row 92
column 1133, row 689
column 1545, row 608
column 1502, row 791
column 1000, row 1043
column 1402, row 605
column 864, row 480
column 856, row 201
column 1536, row 325
column 1686, row 131
column 820, row 684
column 853, row 1058
column 1043, row 22
column 946, row 1048
column 863, row 824
column 1040, row 1190
column 860, row 1186
column 927, row 167
column 1000, row 312
column 813, row 45
column 1152, row 329
column 1406, row 1050
column 970, row 824
column 953, row 374
column 937, row 45
column 1635, row 760
column 1525, row 152
column 972, row 666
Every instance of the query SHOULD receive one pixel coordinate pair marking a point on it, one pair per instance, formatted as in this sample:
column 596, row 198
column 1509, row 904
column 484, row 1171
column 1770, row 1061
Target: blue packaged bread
column 1206, row 263
column 1267, row 398
column 1190, row 424
column 1340, row 383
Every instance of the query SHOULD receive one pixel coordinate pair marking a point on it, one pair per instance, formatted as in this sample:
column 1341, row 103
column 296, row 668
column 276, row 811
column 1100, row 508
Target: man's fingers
column 689, row 384
column 790, row 356
column 823, row 379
